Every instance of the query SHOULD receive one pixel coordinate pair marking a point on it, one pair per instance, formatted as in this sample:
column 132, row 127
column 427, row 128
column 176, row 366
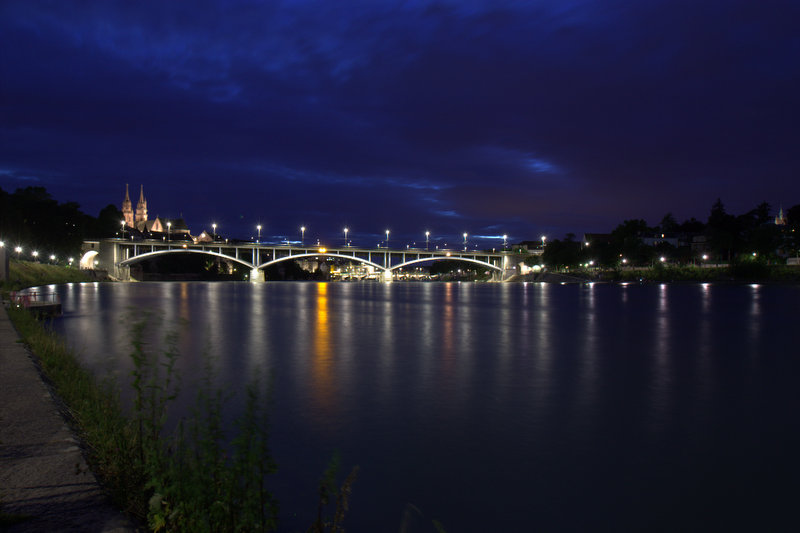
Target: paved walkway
column 42, row 472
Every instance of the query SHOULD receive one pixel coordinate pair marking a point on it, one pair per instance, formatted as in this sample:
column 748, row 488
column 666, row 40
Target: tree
column 668, row 224
column 722, row 231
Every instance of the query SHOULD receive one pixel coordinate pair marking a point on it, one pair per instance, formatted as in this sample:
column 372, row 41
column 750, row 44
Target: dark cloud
column 485, row 117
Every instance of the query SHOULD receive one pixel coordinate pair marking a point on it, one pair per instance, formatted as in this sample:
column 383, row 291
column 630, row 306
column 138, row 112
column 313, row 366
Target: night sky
column 525, row 118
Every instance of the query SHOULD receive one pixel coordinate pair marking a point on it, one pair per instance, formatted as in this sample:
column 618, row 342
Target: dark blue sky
column 494, row 117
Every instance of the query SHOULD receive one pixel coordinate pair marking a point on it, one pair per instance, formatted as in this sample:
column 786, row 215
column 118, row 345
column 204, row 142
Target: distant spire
column 127, row 209
column 141, row 207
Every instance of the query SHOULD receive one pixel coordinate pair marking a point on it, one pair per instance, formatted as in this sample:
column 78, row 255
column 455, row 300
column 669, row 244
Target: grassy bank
column 24, row 274
column 750, row 272
column 198, row 478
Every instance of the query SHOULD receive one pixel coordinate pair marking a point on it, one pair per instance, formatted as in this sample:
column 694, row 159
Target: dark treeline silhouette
column 31, row 218
column 723, row 238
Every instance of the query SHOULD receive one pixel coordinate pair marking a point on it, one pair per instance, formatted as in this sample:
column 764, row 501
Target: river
column 497, row 407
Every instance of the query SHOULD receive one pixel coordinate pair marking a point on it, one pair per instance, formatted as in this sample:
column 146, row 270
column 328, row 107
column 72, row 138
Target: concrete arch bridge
column 117, row 255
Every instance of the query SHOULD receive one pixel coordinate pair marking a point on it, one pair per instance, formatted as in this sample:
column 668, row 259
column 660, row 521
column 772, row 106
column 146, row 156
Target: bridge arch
column 446, row 258
column 141, row 257
column 321, row 254
column 87, row 260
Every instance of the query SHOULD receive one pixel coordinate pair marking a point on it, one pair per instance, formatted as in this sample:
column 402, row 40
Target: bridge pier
column 256, row 275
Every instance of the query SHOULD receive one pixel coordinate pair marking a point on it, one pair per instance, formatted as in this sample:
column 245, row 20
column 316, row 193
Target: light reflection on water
column 495, row 406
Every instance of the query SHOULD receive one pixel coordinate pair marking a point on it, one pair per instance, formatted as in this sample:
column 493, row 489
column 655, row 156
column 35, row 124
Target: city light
column 35, row 253
column 465, row 241
column 345, row 236
column 544, row 238
column 505, row 240
column 169, row 234
column 259, row 233
column 662, row 258
column 52, row 257
column 705, row 257
column 302, row 235
column 427, row 238
column 387, row 238
column 214, row 228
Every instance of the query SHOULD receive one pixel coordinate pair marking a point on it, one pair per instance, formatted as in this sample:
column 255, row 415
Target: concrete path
column 43, row 475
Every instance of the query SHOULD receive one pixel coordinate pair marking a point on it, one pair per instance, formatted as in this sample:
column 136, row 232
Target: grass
column 194, row 479
column 30, row 274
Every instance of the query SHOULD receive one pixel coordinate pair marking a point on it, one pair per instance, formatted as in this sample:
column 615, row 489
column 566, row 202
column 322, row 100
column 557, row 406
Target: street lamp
column 169, row 231
column 214, row 229
column 259, row 233
column 345, row 236
column 387, row 238
column 505, row 241
column 35, row 254
column 465, row 241
column 122, row 223
column 52, row 257
column 302, row 235
column 427, row 239
column 18, row 249
column 544, row 238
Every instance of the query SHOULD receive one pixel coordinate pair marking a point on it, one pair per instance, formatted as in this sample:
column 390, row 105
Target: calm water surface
column 499, row 407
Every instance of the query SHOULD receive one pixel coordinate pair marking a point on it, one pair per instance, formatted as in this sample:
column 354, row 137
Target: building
column 140, row 217
column 138, row 220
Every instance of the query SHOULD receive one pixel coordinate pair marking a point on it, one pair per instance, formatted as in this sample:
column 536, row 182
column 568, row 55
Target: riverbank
column 23, row 274
column 46, row 482
column 740, row 273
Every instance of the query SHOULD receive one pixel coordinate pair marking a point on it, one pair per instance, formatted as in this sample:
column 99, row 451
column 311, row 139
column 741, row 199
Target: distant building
column 137, row 220
column 780, row 220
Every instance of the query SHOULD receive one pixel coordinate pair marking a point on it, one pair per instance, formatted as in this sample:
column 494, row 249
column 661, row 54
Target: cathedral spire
column 127, row 209
column 141, row 207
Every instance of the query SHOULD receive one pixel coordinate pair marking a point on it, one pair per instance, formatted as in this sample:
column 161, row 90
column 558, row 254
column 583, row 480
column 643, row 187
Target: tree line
column 31, row 218
column 723, row 238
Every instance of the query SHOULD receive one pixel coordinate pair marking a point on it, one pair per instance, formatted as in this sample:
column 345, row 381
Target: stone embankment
column 45, row 484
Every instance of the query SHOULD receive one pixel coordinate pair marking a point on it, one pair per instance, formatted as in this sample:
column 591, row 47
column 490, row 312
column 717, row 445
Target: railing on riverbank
column 40, row 303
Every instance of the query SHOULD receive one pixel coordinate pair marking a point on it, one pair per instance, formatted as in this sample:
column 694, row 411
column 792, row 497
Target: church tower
column 127, row 209
column 141, row 207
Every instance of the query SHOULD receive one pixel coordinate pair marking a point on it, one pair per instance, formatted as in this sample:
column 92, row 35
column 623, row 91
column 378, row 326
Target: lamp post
column 387, row 239
column 505, row 241
column 122, row 223
column 18, row 249
column 35, row 254
column 427, row 238
column 544, row 238
column 465, row 241
column 169, row 231
column 214, row 229
column 345, row 236
column 302, row 235
column 259, row 233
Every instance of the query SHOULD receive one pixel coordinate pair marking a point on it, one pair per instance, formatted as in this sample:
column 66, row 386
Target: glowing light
column 323, row 250
column 662, row 258
column 705, row 257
